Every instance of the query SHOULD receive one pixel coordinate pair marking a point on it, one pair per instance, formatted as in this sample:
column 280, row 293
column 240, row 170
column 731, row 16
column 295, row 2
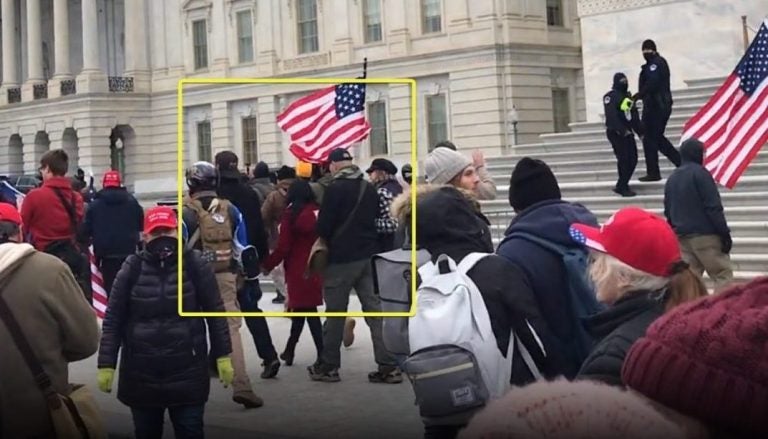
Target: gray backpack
column 392, row 282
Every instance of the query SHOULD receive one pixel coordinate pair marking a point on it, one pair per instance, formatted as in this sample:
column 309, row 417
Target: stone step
column 753, row 184
column 714, row 82
column 603, row 170
column 750, row 262
column 605, row 207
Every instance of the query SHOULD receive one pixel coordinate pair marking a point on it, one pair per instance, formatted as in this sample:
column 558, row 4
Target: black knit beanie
column 649, row 45
column 532, row 182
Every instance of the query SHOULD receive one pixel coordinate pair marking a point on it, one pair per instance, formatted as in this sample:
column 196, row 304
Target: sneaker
column 625, row 192
column 386, row 375
column 648, row 178
column 326, row 374
column 270, row 369
column 248, row 399
column 349, row 332
column 279, row 299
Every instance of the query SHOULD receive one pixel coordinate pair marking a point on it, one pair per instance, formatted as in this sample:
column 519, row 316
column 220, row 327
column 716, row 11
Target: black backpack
column 69, row 253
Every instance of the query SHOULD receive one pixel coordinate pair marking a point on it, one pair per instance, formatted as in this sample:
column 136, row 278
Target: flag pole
column 365, row 67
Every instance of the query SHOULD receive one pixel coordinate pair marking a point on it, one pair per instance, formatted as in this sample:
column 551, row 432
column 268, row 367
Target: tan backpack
column 214, row 231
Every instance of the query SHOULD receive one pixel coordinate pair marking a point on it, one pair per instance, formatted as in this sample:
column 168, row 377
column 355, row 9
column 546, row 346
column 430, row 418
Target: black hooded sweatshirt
column 692, row 202
column 447, row 224
column 616, row 120
column 113, row 220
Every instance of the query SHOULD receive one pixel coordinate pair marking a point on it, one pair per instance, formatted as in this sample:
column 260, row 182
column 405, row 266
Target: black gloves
column 250, row 260
column 727, row 243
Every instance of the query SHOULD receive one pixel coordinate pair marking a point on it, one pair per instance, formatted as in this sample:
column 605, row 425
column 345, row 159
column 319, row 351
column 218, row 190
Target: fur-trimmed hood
column 401, row 205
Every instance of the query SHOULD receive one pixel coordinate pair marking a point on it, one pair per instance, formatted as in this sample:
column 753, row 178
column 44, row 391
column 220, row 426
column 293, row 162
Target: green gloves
column 226, row 372
column 626, row 104
column 104, row 378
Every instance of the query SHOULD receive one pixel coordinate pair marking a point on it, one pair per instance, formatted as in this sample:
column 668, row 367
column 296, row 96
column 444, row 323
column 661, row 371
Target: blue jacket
column 113, row 222
column 545, row 274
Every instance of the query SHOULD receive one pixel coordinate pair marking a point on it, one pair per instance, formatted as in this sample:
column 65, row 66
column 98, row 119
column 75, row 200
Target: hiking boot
column 248, row 399
column 323, row 373
column 648, row 178
column 349, row 332
column 386, row 375
column 270, row 369
column 279, row 299
column 287, row 356
column 625, row 192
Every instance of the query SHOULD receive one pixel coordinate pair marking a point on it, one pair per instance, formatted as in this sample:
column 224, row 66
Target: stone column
column 399, row 41
column 267, row 26
column 34, row 51
column 10, row 50
column 221, row 128
column 136, row 64
column 61, row 47
column 457, row 14
column 342, row 40
column 92, row 78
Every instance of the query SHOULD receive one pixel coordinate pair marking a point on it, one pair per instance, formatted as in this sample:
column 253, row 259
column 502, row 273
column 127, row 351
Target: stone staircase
column 585, row 166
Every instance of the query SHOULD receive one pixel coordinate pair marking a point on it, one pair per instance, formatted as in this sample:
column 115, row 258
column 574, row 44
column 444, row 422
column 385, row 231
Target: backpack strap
column 351, row 217
column 538, row 241
column 469, row 261
column 70, row 208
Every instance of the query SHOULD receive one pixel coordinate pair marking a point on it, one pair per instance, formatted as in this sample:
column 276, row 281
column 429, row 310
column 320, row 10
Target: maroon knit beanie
column 709, row 359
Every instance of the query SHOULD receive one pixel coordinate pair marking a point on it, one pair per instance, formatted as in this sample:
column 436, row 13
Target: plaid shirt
column 385, row 224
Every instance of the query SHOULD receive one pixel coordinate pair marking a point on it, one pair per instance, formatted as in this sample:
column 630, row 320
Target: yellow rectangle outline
column 180, row 187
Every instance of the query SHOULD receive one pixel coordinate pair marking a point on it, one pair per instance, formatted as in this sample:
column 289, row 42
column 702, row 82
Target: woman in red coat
column 305, row 293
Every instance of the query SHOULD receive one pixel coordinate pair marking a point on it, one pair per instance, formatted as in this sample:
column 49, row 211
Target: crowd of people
column 602, row 330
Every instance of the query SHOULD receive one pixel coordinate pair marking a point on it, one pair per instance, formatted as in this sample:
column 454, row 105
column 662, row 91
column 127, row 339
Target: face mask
column 622, row 87
column 163, row 247
column 648, row 56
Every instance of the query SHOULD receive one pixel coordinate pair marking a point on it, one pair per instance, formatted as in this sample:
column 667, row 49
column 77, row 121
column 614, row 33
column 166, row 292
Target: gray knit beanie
column 443, row 164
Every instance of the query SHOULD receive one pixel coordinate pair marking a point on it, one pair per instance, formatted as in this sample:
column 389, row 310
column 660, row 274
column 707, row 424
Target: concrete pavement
column 295, row 407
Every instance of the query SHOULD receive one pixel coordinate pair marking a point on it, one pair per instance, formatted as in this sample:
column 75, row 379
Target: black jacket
column 113, row 221
column 692, row 202
column 616, row 330
column 359, row 241
column 164, row 358
column 545, row 274
column 247, row 201
column 447, row 224
column 615, row 119
column 653, row 85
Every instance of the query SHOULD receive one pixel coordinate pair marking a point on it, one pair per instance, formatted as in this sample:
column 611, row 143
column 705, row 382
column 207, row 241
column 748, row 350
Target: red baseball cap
column 111, row 179
column 160, row 216
column 636, row 237
column 9, row 213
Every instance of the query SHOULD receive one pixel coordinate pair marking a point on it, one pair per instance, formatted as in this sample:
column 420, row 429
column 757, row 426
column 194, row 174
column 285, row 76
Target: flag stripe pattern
column 733, row 124
column 330, row 118
column 97, row 286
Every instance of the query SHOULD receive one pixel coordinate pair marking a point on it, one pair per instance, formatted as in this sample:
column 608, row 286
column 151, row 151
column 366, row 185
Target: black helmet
column 201, row 175
column 407, row 172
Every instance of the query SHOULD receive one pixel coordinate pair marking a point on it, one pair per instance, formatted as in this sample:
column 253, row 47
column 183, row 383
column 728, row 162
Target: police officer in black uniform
column 621, row 119
column 657, row 106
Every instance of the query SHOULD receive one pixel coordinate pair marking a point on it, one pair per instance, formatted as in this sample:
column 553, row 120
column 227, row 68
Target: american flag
column 734, row 123
column 324, row 120
column 100, row 299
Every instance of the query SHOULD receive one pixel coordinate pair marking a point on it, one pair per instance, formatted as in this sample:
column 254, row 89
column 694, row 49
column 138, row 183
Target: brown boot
column 248, row 399
column 349, row 332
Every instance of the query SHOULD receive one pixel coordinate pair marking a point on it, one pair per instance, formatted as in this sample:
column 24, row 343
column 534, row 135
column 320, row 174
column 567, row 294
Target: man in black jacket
column 621, row 119
column 693, row 208
column 232, row 186
column 113, row 223
column 347, row 222
column 656, row 95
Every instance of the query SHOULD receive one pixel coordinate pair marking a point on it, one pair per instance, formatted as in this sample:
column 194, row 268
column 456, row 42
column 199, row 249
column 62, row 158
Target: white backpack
column 455, row 364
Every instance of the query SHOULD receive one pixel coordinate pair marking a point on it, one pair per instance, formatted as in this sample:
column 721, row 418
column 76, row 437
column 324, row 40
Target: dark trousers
column 654, row 141
column 625, row 149
column 442, row 431
column 109, row 266
column 248, row 297
column 187, row 421
column 297, row 325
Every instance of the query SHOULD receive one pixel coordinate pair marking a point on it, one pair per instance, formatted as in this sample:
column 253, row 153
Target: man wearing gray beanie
column 486, row 189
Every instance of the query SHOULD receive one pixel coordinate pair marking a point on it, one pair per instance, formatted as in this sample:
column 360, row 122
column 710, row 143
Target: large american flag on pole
column 734, row 123
column 330, row 118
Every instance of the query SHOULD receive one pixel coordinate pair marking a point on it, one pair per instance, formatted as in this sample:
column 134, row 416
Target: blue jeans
column 249, row 297
column 187, row 421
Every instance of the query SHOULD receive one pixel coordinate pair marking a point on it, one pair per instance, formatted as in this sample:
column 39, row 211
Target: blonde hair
column 681, row 287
